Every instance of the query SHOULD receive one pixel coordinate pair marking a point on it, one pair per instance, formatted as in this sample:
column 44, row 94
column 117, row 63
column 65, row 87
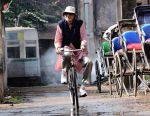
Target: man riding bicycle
column 71, row 34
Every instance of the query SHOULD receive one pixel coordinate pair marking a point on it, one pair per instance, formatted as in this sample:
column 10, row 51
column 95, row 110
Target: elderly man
column 71, row 33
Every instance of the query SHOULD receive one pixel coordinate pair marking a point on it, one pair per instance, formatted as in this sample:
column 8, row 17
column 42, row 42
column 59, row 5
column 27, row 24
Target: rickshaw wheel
column 135, row 73
column 118, row 75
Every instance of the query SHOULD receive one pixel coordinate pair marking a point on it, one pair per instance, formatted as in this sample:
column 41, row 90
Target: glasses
column 71, row 14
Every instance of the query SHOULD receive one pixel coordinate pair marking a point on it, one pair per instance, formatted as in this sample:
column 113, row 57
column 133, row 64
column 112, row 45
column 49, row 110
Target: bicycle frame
column 71, row 79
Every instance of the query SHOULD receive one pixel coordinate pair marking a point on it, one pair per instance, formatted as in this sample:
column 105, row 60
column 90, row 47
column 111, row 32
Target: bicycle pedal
column 84, row 95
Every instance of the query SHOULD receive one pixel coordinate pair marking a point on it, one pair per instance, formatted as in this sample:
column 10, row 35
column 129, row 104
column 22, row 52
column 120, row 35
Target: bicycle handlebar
column 75, row 50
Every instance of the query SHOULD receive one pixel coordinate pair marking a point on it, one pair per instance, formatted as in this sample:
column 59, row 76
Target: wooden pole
column 76, row 2
column 1, row 52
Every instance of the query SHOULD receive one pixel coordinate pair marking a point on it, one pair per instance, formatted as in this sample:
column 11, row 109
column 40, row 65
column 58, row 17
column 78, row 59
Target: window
column 30, row 42
column 30, row 52
column 13, row 52
column 11, row 35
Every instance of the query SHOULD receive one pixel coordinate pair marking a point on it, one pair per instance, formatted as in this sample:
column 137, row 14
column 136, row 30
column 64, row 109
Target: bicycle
column 71, row 78
column 100, row 68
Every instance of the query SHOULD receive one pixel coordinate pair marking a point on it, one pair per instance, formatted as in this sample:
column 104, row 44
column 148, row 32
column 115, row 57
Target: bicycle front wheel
column 73, row 88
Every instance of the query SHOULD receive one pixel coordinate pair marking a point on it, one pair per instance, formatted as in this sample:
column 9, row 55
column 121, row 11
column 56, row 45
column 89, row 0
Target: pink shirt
column 58, row 42
column 58, row 37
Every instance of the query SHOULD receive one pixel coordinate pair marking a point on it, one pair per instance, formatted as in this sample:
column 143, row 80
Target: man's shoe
column 85, row 82
column 63, row 78
column 82, row 91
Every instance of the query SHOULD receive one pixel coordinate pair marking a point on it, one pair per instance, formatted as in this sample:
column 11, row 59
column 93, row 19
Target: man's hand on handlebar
column 83, row 48
column 59, row 50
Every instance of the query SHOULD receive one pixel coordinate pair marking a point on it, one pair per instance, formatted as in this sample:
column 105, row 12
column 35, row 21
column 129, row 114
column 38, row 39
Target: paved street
column 55, row 101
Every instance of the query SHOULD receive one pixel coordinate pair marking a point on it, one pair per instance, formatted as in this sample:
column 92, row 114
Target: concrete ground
column 55, row 101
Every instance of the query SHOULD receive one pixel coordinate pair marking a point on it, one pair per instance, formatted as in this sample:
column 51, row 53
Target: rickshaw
column 134, row 54
column 125, row 61
column 103, row 63
column 130, row 53
column 142, row 17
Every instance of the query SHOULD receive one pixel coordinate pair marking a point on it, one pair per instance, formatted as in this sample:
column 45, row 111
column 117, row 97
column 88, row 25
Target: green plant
column 30, row 14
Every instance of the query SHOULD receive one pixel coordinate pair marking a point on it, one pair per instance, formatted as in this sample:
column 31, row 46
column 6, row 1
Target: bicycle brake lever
column 61, row 49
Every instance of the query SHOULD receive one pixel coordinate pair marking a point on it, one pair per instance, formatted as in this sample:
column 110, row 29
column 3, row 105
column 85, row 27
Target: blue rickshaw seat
column 116, row 43
column 132, row 40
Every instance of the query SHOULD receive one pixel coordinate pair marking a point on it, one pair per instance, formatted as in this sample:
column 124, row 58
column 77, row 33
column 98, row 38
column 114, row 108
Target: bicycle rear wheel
column 98, row 76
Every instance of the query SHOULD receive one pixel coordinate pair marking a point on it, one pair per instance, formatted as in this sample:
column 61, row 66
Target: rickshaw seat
column 146, row 31
column 132, row 40
column 116, row 43
column 106, row 48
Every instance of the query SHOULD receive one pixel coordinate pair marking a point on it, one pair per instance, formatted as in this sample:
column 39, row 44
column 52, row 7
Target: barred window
column 30, row 52
column 13, row 52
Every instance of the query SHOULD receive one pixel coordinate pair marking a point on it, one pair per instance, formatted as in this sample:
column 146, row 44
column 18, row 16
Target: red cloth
column 135, row 46
column 58, row 65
